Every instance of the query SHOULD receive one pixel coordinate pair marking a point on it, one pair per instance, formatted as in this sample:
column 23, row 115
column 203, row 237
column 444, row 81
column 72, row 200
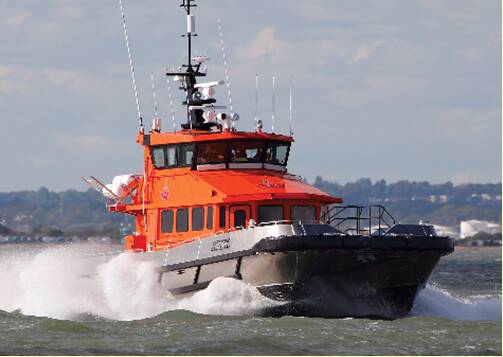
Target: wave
column 434, row 301
column 59, row 283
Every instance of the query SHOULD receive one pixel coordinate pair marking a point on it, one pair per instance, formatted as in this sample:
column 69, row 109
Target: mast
column 194, row 101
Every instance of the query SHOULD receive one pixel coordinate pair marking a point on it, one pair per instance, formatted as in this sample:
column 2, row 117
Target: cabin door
column 152, row 228
column 240, row 216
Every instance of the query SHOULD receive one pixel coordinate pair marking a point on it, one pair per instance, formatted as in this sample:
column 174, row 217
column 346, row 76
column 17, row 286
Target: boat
column 215, row 202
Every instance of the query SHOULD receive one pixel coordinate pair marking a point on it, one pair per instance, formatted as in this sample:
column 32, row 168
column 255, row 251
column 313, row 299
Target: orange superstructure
column 207, row 177
column 197, row 183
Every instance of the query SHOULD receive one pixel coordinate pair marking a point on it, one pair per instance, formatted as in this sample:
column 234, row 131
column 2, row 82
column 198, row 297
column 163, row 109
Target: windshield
column 277, row 153
column 246, row 151
column 170, row 156
column 211, row 153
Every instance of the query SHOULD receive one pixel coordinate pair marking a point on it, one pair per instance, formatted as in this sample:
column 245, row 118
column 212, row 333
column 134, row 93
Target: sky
column 385, row 89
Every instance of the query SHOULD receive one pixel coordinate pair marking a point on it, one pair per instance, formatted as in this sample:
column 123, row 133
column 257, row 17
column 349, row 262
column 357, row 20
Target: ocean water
column 56, row 300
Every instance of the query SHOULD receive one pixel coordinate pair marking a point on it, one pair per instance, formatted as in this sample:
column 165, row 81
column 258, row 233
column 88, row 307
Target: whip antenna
column 154, row 96
column 291, row 104
column 226, row 69
column 171, row 106
column 156, row 122
column 256, row 99
column 131, row 67
column 273, row 100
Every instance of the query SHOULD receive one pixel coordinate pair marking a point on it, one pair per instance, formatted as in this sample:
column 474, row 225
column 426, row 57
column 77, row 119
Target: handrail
column 359, row 218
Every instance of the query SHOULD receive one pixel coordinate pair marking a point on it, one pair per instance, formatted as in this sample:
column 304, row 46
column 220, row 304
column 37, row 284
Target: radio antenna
column 291, row 104
column 256, row 99
column 226, row 69
column 273, row 100
column 171, row 106
column 154, row 96
column 131, row 68
column 156, row 122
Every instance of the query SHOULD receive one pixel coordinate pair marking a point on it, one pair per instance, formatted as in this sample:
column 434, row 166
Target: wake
column 433, row 301
column 59, row 283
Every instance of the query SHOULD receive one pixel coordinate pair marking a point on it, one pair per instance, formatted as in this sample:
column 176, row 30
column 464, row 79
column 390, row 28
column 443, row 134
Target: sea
column 63, row 300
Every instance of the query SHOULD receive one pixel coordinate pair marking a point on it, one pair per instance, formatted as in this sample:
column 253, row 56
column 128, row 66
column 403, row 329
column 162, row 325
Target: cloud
column 267, row 47
column 14, row 80
column 85, row 143
column 364, row 51
column 18, row 19
column 22, row 79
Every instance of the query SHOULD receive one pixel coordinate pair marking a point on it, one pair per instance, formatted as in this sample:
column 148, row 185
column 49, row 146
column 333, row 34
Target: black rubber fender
column 399, row 242
column 426, row 243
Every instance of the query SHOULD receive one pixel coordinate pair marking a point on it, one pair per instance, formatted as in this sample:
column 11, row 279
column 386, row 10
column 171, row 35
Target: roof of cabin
column 187, row 136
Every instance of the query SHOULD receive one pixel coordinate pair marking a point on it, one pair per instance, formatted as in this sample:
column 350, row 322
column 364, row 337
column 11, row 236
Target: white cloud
column 298, row 55
column 18, row 19
column 364, row 51
column 14, row 80
column 85, row 143
column 21, row 80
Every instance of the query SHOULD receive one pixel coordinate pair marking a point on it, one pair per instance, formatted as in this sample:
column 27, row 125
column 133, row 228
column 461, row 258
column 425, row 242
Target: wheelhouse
column 222, row 154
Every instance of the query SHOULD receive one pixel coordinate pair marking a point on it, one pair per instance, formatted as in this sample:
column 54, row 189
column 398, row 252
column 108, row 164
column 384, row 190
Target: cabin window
column 197, row 219
column 182, row 220
column 246, row 151
column 222, row 217
column 158, row 156
column 171, row 156
column 167, row 221
column 186, row 154
column 303, row 213
column 209, row 218
column 270, row 213
column 277, row 153
column 211, row 153
column 239, row 218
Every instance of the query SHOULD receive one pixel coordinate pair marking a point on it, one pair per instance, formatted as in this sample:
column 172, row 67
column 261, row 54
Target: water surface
column 51, row 305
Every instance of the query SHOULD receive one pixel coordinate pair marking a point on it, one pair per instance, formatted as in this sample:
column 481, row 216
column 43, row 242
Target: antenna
column 226, row 69
column 291, row 104
column 256, row 100
column 154, row 96
column 156, row 122
column 273, row 100
column 131, row 67
column 171, row 106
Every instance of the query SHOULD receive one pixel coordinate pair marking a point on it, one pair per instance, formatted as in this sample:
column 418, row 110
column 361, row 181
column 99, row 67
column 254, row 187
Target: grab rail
column 359, row 219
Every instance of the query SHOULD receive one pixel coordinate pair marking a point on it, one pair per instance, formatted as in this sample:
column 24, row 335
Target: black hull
column 324, row 276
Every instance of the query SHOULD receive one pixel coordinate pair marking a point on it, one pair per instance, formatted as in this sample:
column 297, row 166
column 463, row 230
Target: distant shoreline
column 466, row 247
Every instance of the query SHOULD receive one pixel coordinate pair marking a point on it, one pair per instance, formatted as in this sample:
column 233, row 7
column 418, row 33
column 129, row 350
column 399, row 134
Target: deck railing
column 353, row 219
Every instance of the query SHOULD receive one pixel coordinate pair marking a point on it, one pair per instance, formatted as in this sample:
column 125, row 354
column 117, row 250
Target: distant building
column 451, row 231
column 472, row 227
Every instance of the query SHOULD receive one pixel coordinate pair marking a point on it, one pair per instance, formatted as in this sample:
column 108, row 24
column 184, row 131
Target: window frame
column 209, row 217
column 200, row 227
column 212, row 142
column 262, row 148
column 178, row 155
column 275, row 144
column 171, row 225
column 180, row 210
column 222, row 218
column 303, row 206
column 259, row 220
column 244, row 221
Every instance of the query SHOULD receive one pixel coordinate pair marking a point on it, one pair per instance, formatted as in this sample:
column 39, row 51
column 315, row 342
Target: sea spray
column 434, row 301
column 226, row 296
column 131, row 290
column 69, row 281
